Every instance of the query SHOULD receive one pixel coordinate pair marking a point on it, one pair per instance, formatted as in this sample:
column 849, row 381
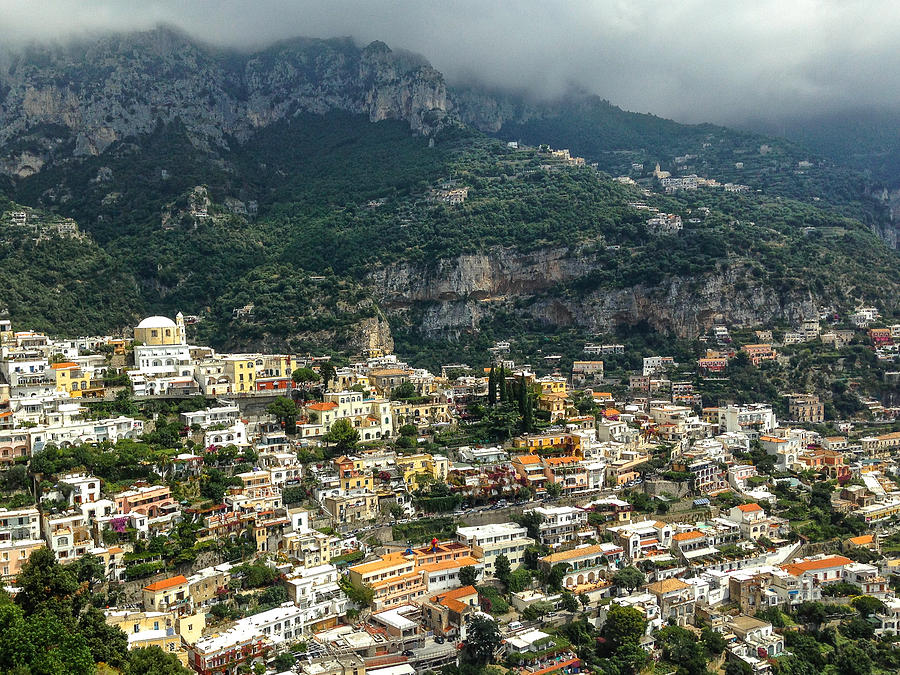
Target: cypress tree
column 502, row 385
column 523, row 395
column 492, row 387
column 528, row 417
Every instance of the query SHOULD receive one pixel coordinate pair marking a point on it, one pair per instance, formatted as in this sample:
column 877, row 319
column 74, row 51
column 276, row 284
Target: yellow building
column 276, row 365
column 559, row 441
column 158, row 629
column 423, row 464
column 160, row 330
column 352, row 476
column 167, row 594
column 74, row 381
column 552, row 385
column 240, row 369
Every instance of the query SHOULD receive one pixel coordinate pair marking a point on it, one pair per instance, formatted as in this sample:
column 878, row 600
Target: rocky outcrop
column 452, row 296
column 59, row 101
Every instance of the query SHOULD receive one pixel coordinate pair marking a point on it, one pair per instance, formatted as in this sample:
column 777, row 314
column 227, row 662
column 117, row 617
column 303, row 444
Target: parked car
column 439, row 639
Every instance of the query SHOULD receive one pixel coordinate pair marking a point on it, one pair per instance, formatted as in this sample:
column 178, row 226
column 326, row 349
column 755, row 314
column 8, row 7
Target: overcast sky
column 693, row 60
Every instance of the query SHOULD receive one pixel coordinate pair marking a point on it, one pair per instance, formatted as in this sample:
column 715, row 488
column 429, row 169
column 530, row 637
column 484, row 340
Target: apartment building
column 588, row 565
column 488, row 542
column 806, row 408
column 560, row 524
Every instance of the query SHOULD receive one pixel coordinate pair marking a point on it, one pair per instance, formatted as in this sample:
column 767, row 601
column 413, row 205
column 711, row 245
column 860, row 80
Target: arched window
column 74, row 386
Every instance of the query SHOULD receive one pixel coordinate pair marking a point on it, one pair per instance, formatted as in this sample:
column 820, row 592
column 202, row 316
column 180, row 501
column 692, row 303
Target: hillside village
column 289, row 513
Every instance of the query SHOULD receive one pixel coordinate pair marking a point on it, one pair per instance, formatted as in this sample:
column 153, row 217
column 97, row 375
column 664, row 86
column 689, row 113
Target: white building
column 222, row 414
column 76, row 432
column 560, row 524
column 315, row 592
column 755, row 417
column 488, row 542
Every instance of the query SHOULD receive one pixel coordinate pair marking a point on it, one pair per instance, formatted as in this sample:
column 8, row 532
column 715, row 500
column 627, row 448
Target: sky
column 691, row 60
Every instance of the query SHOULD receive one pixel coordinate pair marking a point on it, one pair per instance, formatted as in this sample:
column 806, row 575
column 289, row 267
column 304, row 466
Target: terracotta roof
column 562, row 460
column 667, row 586
column 394, row 580
column 861, row 540
column 687, row 536
column 554, row 558
column 67, row 364
column 749, row 508
column 811, row 565
column 556, row 666
column 527, row 459
column 324, row 406
column 449, row 564
column 385, row 561
column 171, row 582
column 455, row 594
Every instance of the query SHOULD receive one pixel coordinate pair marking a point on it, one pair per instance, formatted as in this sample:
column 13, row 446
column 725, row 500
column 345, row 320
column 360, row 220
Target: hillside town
column 284, row 513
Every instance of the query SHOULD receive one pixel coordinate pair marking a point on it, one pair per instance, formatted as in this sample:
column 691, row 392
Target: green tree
column 285, row 411
column 343, row 436
column 623, row 624
column 108, row 644
column 44, row 583
column 519, row 580
column 89, row 569
column 153, row 661
column 536, row 610
column 629, row 578
column 867, row 605
column 851, row 660
column 569, row 602
column 554, row 490
column 502, row 569
column 284, row 661
column 585, row 601
column 492, row 388
column 681, row 647
column 812, row 612
column 304, row 376
column 556, row 575
column 327, row 373
column 361, row 595
column 531, row 521
column 858, row 628
column 482, row 640
column 468, row 575
column 501, row 421
column 714, row 642
column 406, row 390
column 737, row 667
column 41, row 643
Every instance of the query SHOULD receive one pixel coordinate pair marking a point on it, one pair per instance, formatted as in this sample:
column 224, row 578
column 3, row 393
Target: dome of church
column 156, row 322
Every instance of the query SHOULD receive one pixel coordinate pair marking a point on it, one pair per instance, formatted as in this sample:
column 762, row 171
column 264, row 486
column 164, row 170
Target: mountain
column 311, row 180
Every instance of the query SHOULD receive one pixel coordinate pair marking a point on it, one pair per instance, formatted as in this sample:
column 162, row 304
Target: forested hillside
column 321, row 221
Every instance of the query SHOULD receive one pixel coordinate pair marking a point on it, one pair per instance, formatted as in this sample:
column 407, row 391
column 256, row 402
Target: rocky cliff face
column 452, row 296
column 57, row 102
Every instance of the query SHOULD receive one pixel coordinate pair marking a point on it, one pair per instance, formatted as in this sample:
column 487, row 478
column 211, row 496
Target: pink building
column 149, row 500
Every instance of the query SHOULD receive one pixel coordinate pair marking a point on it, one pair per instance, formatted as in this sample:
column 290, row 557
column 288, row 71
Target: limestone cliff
column 63, row 101
column 452, row 296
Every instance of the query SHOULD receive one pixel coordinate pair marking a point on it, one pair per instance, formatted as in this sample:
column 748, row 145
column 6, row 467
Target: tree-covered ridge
column 295, row 220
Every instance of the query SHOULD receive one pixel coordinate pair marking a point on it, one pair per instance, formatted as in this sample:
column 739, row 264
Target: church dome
column 156, row 322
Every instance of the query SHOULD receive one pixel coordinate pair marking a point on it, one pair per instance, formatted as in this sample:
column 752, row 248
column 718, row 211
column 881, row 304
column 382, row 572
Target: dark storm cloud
column 692, row 59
